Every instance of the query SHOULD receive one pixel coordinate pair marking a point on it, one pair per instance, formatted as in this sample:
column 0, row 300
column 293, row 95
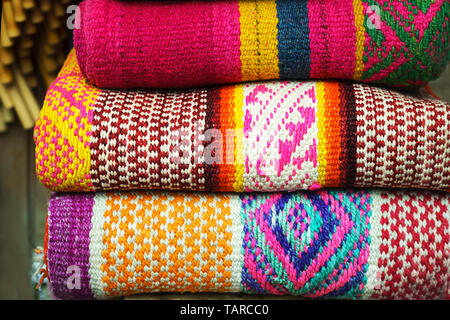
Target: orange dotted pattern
column 166, row 242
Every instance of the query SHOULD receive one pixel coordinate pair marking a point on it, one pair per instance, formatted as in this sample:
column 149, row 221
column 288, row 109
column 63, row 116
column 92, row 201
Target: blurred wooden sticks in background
column 33, row 41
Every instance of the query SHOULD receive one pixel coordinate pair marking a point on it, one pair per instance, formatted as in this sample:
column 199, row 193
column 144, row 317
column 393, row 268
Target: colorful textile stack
column 173, row 187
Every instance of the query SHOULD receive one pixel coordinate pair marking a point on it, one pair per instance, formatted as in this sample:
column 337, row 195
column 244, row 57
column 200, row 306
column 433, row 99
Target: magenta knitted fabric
column 69, row 249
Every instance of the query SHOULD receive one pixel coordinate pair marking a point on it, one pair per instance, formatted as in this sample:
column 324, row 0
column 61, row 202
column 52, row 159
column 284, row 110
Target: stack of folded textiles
column 190, row 151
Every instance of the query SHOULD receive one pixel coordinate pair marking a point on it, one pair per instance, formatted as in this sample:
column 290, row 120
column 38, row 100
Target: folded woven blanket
column 270, row 136
column 159, row 44
column 351, row 244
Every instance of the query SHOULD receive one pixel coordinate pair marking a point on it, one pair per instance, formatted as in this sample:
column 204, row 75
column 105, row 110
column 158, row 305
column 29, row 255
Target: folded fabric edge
column 374, row 245
column 326, row 140
column 303, row 39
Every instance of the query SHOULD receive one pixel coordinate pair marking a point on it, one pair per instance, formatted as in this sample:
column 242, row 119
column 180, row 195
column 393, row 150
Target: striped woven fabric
column 159, row 44
column 270, row 136
column 337, row 243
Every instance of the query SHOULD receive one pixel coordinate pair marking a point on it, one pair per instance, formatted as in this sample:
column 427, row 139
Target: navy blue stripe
column 293, row 39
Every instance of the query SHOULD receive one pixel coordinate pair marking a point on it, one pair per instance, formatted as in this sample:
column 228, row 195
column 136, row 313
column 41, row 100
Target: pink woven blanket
column 194, row 43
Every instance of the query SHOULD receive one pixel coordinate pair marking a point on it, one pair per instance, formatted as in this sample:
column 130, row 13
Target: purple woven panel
column 69, row 224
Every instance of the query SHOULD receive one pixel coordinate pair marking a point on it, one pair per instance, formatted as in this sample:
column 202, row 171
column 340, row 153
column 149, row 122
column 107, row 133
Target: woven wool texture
column 159, row 44
column 271, row 136
column 337, row 243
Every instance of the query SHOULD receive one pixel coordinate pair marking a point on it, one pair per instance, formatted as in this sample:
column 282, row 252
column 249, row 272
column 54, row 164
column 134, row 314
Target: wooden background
column 23, row 205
